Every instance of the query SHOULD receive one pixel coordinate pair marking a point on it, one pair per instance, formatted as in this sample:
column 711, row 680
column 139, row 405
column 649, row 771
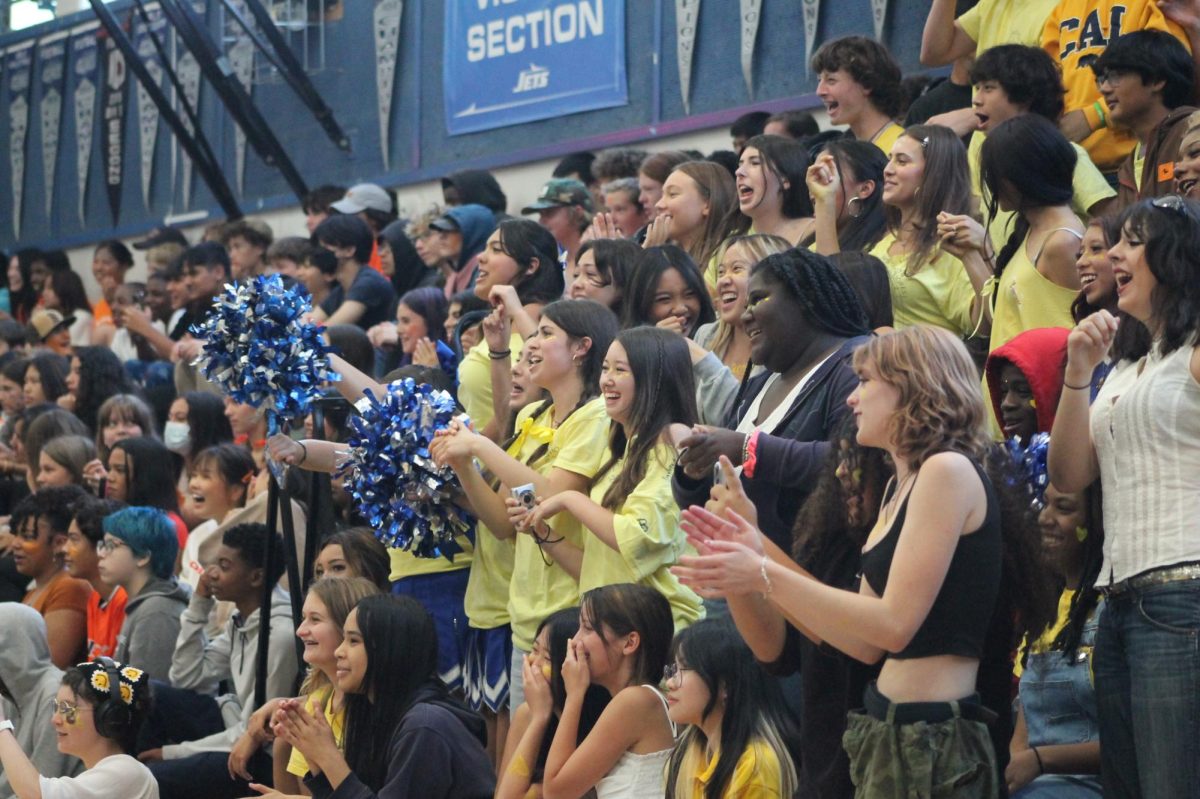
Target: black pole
column 264, row 611
column 201, row 154
column 315, row 501
column 296, row 594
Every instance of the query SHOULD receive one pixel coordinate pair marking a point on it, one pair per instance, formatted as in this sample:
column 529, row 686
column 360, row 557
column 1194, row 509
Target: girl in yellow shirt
column 734, row 745
column 646, row 383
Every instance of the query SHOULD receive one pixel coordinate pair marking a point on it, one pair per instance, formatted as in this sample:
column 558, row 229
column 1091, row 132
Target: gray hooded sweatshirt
column 33, row 681
column 147, row 637
column 199, row 664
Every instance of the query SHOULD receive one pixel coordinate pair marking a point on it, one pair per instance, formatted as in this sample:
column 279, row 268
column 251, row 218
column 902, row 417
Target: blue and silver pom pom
column 259, row 350
column 1031, row 464
column 406, row 498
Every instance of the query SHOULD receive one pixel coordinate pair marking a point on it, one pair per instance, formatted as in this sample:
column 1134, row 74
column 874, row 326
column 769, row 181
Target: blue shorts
column 485, row 668
column 442, row 595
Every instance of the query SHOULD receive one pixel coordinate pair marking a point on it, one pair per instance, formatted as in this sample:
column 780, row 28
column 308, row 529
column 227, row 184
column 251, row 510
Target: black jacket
column 436, row 753
column 789, row 462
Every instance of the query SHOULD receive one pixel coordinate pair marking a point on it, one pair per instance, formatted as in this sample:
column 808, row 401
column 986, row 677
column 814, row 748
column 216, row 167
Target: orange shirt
column 104, row 620
column 181, row 531
column 101, row 313
column 63, row 592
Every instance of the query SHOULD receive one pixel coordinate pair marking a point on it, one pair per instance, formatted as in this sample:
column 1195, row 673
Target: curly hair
column 940, row 406
column 870, row 64
column 1027, row 75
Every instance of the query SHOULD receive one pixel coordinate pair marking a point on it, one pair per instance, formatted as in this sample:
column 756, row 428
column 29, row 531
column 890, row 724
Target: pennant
column 187, row 69
column 687, row 18
column 387, row 48
column 879, row 9
column 52, row 54
column 85, row 55
column 146, row 112
column 18, row 64
column 810, row 8
column 112, row 131
column 241, row 59
column 751, row 15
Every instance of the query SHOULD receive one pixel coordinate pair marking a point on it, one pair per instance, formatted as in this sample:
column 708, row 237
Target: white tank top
column 1145, row 426
column 637, row 776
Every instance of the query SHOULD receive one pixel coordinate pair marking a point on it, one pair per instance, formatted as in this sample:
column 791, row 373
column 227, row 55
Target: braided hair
column 828, row 299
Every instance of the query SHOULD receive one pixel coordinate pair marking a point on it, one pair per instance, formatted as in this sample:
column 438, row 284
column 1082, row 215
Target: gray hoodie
column 199, row 664
column 33, row 681
column 147, row 637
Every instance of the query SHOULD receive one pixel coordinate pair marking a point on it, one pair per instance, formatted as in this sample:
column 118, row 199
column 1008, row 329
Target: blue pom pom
column 405, row 497
column 259, row 350
column 1031, row 463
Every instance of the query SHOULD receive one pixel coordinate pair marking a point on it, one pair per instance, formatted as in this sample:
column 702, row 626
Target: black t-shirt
column 371, row 289
column 942, row 97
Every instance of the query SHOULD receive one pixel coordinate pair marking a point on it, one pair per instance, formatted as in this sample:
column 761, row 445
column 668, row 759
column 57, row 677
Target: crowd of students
column 838, row 464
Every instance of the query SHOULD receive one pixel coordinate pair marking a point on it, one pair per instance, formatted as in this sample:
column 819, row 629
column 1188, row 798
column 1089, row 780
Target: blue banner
column 513, row 61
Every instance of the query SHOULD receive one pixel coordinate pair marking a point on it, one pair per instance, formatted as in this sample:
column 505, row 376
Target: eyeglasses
column 107, row 545
column 673, row 670
column 1112, row 76
column 69, row 712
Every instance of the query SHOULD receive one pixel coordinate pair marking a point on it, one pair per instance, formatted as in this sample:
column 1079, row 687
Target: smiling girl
column 1141, row 428
column 845, row 183
column 97, row 713
column 666, row 289
column 932, row 283
column 698, row 210
column 771, row 189
column 405, row 736
column 220, row 481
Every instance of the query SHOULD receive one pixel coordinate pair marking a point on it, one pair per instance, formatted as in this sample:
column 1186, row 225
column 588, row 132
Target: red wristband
column 750, row 454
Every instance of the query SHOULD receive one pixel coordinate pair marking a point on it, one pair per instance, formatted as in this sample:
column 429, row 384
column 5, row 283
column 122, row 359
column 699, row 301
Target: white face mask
column 177, row 437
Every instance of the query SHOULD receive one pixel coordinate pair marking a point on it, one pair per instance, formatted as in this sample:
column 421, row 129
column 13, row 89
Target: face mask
column 177, row 436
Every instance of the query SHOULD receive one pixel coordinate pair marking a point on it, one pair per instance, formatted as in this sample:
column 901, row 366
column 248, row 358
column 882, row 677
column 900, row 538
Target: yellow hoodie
column 1075, row 34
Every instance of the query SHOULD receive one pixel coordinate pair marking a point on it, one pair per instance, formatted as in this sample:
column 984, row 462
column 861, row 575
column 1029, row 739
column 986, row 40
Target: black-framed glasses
column 673, row 670
column 1110, row 76
column 107, row 545
column 68, row 711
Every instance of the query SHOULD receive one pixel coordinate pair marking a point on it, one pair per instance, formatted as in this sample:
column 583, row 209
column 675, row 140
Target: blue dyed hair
column 147, row 531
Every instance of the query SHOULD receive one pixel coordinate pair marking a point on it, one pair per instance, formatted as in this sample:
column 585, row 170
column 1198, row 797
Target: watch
column 8, row 725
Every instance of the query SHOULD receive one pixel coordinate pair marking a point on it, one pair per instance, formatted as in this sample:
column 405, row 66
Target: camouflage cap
column 561, row 192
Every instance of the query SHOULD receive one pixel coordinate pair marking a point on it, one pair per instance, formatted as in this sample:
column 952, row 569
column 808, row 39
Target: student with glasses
column 1141, row 439
column 96, row 714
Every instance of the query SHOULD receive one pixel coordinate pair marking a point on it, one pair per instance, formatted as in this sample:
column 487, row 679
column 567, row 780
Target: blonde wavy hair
column 941, row 405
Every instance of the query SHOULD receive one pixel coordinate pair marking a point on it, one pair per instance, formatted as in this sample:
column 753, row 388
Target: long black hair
column 1132, row 339
column 1170, row 228
column 68, row 287
column 643, row 285
column 820, row 288
column 431, row 305
column 1084, row 602
column 401, row 647
column 52, row 369
column 101, row 375
column 664, row 394
column 150, row 473
column 1031, row 159
column 614, row 261
column 525, row 241
column 713, row 652
column 860, row 161
column 787, row 160
column 24, row 300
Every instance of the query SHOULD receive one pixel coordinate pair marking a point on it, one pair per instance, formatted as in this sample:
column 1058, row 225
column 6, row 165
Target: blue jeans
column 1147, row 667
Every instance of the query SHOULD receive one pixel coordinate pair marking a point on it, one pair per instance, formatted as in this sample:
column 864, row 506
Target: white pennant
column 146, row 110
column 188, row 70
column 52, row 51
column 687, row 17
column 387, row 48
column 879, row 9
column 18, row 62
column 811, row 9
column 241, row 58
column 86, row 60
column 751, row 15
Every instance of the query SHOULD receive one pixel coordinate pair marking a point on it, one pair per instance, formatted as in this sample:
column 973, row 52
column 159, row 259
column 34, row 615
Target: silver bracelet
column 762, row 569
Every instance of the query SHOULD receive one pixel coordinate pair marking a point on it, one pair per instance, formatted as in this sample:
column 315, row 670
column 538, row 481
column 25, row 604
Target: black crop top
column 959, row 618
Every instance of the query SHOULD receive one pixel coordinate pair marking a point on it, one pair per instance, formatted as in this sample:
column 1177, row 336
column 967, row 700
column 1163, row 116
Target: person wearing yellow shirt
column 859, row 84
column 733, row 745
column 629, row 513
column 559, row 446
column 1011, row 80
column 935, row 279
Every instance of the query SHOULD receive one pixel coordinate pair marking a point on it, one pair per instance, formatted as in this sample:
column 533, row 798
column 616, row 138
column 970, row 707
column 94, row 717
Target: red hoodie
column 1041, row 355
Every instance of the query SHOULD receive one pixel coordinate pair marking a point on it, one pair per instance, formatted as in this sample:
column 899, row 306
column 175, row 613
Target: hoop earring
column 854, row 211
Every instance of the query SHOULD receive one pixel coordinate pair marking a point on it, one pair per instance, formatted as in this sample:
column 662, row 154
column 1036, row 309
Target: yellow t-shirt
column 322, row 698
column 939, row 294
column 887, row 137
column 1088, row 184
column 993, row 22
column 578, row 445
column 649, row 537
column 475, row 380
column 1026, row 299
column 757, row 775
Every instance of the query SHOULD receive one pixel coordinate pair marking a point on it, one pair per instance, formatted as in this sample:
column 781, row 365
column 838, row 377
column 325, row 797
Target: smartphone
column 718, row 474
column 524, row 495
